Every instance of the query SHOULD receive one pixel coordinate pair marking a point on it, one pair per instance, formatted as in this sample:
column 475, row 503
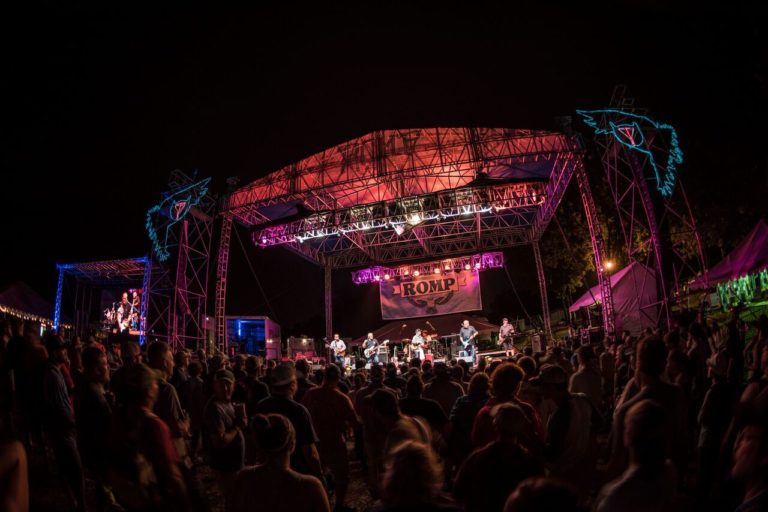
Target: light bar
column 472, row 263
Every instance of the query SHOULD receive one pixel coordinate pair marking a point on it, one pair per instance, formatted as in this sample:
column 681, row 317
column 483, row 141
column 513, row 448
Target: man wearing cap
column 417, row 346
column 568, row 430
column 305, row 458
column 223, row 430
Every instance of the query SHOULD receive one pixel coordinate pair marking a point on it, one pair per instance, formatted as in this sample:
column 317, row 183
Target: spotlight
column 437, row 270
column 386, row 277
column 399, row 229
column 478, row 265
column 416, row 273
column 609, row 264
column 447, row 267
column 405, row 272
column 377, row 277
column 467, row 267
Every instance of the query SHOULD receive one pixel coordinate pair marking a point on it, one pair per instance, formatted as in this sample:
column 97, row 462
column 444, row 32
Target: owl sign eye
column 628, row 134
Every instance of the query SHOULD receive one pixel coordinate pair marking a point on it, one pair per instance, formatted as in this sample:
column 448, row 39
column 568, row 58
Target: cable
column 512, row 284
column 248, row 260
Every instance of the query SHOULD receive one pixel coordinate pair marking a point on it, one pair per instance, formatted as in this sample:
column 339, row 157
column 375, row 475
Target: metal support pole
column 221, row 284
column 598, row 248
column 328, row 299
column 542, row 290
column 145, row 295
column 59, row 291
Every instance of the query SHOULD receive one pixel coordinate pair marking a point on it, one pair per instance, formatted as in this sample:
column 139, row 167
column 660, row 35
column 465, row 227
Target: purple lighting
column 472, row 263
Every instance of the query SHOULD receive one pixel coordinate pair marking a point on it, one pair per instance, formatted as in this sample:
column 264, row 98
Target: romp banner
column 430, row 295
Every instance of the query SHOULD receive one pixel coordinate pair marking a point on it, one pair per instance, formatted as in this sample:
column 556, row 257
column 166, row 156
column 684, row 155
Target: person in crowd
column 303, row 383
column 393, row 380
column 462, row 418
column 272, row 484
column 491, row 473
column 412, row 480
column 750, row 459
column 93, row 411
column 131, row 353
column 457, row 375
column 415, row 405
column 651, row 362
column 223, row 429
column 650, row 480
column 505, row 384
column 238, row 367
column 387, row 428
column 442, row 388
column 305, row 458
column 587, row 379
column 539, row 494
column 332, row 416
column 567, row 448
column 250, row 390
column 192, row 398
column 14, row 478
column 168, row 406
column 144, row 467
column 59, row 422
column 180, row 369
column 713, row 420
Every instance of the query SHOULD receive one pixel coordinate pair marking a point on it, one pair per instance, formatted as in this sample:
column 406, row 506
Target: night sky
column 100, row 104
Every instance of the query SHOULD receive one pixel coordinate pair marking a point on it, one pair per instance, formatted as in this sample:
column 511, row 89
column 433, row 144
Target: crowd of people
column 673, row 420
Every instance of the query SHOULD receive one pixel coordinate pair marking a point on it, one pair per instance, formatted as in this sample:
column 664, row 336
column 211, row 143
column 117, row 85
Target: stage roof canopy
column 400, row 195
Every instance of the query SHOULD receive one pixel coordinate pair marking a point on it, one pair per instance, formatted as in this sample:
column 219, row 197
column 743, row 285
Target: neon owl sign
column 629, row 129
column 176, row 205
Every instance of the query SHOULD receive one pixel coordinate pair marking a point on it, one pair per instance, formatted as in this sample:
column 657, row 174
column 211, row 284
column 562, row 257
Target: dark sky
column 100, row 104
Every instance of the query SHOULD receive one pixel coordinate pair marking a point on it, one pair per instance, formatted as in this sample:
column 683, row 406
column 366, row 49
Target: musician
column 417, row 346
column 124, row 313
column 468, row 334
column 339, row 349
column 135, row 308
column 507, row 337
column 371, row 343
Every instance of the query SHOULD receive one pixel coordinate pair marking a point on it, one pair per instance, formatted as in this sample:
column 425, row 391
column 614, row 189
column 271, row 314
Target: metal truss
column 222, row 267
column 179, row 300
column 542, row 289
column 655, row 228
column 86, row 278
column 475, row 262
column 401, row 196
column 598, row 251
column 388, row 165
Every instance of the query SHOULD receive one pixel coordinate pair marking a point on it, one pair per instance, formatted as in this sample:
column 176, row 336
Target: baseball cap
column 550, row 374
column 224, row 374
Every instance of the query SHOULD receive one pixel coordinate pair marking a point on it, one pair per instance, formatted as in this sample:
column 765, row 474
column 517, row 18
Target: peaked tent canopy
column 634, row 298
column 19, row 300
column 443, row 326
column 750, row 256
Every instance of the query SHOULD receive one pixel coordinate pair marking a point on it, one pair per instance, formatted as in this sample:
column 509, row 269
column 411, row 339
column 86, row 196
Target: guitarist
column 124, row 313
column 507, row 337
column 369, row 348
column 338, row 350
column 468, row 334
column 417, row 346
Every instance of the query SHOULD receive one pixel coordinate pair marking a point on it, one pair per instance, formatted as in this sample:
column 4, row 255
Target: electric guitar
column 466, row 341
column 368, row 352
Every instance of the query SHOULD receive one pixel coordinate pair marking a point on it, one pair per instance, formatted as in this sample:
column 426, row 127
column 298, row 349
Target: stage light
column 399, row 229
column 437, row 270
column 386, row 277
column 609, row 264
column 405, row 272
column 416, row 273
column 414, row 219
column 377, row 277
column 467, row 267
column 304, row 341
column 478, row 265
column 447, row 268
